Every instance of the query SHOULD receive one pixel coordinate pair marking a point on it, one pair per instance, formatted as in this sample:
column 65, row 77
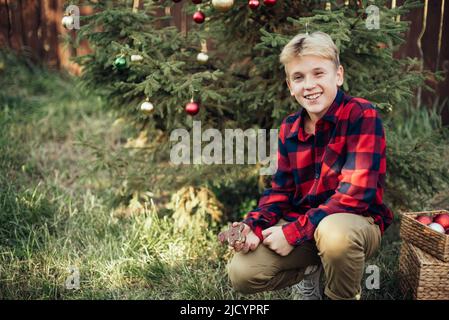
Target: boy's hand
column 274, row 239
column 251, row 242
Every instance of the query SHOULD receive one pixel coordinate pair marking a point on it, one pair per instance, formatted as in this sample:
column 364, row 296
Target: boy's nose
column 309, row 83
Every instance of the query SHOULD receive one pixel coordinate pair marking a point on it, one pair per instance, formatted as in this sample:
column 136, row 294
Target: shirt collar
column 297, row 128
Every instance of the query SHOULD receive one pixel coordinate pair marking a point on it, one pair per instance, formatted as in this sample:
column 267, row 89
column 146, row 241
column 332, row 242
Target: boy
column 324, row 210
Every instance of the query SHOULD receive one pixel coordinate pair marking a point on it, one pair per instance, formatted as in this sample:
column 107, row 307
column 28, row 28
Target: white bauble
column 202, row 57
column 68, row 22
column 136, row 57
column 437, row 227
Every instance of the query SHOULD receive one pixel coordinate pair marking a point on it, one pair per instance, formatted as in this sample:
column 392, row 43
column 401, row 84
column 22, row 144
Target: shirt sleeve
column 360, row 174
column 275, row 200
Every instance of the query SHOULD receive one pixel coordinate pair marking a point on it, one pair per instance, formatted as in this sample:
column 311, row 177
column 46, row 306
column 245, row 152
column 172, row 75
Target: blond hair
column 317, row 44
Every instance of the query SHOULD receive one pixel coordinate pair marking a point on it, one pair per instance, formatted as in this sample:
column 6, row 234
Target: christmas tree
column 227, row 67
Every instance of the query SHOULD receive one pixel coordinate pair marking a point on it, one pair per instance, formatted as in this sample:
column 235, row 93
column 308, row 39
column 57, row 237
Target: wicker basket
column 422, row 275
column 429, row 240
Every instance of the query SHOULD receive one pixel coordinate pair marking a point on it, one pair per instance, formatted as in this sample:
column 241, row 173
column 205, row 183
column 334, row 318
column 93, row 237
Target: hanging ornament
column 147, row 107
column 199, row 17
column 68, row 22
column 136, row 57
column 222, row 5
column 196, row 1
column 269, row 3
column 120, row 62
column 253, row 4
column 192, row 108
column 202, row 57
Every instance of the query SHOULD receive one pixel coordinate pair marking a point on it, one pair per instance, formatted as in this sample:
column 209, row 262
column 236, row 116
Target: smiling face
column 314, row 82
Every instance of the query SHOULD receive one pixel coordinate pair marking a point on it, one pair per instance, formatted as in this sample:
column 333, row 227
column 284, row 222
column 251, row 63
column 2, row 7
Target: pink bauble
column 199, row 17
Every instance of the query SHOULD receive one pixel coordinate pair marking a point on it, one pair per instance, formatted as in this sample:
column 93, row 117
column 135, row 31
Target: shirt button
column 317, row 175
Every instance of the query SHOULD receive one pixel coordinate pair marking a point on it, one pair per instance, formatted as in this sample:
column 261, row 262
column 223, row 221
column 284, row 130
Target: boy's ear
column 340, row 75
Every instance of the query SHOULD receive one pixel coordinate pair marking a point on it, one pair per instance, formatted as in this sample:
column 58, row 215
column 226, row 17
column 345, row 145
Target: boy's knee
column 245, row 278
column 334, row 240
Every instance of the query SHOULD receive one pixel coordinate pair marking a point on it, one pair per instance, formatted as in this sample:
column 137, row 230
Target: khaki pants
column 343, row 241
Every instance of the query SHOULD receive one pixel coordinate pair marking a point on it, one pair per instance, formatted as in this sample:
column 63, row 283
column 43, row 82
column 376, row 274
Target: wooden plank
column 5, row 27
column 15, row 24
column 410, row 47
column 429, row 43
column 51, row 31
column 444, row 63
column 30, row 17
column 177, row 15
column 430, row 38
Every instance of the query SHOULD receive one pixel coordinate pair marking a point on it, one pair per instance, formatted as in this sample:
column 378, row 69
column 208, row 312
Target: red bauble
column 253, row 4
column 442, row 219
column 199, row 17
column 424, row 220
column 269, row 3
column 197, row 1
column 192, row 108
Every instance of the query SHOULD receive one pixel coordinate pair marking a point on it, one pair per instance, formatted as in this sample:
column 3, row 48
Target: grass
column 54, row 214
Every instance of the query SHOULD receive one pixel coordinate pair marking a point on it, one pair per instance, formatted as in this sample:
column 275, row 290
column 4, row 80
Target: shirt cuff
column 291, row 233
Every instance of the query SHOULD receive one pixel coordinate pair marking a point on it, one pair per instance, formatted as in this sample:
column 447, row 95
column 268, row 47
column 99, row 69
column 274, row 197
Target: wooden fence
column 34, row 27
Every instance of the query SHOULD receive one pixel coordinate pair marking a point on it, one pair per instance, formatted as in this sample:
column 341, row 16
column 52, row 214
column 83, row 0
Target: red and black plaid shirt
column 340, row 169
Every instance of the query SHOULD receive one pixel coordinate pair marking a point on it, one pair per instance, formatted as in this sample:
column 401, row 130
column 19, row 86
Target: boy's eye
column 319, row 73
column 298, row 77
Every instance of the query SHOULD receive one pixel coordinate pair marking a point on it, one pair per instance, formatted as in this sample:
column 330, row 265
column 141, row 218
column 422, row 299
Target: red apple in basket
column 424, row 220
column 442, row 219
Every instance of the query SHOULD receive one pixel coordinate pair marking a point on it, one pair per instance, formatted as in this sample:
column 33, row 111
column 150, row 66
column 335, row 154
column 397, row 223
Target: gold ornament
column 222, row 5
column 147, row 107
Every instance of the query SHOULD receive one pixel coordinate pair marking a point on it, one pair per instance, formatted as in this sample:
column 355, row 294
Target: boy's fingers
column 237, row 246
column 266, row 233
column 266, row 242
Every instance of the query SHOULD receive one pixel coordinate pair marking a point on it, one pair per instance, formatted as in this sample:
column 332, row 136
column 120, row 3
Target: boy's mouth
column 313, row 96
